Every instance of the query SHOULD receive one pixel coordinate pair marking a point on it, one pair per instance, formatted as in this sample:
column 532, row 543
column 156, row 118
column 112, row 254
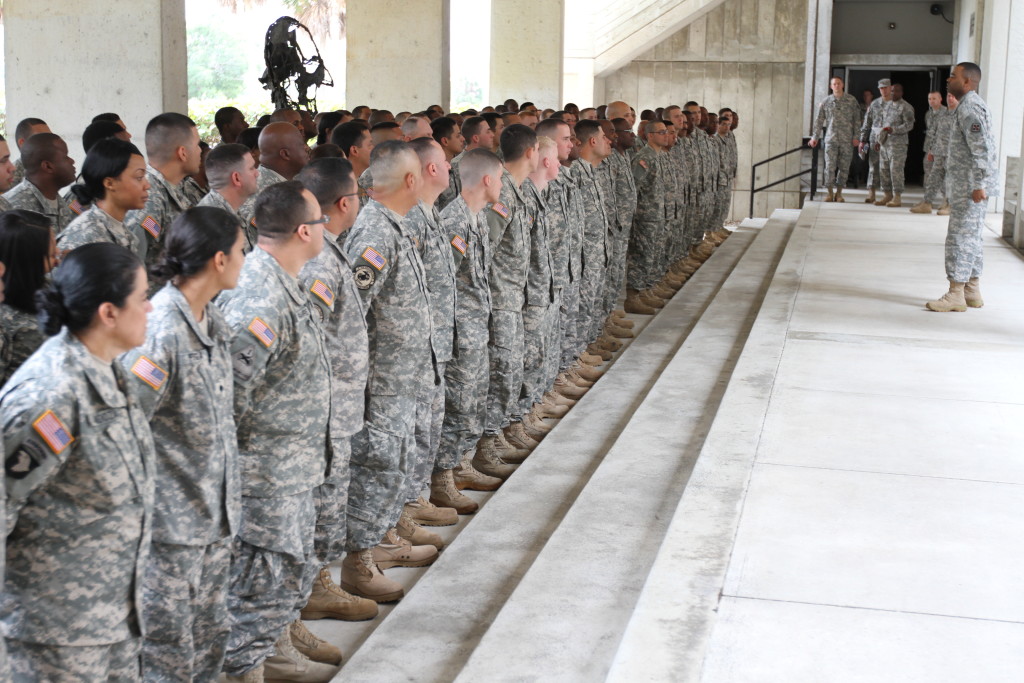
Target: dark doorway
column 917, row 83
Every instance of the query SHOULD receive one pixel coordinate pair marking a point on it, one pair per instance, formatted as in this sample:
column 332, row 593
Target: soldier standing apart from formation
column 870, row 129
column 897, row 122
column 182, row 376
column 840, row 114
column 78, row 457
column 971, row 177
column 936, row 134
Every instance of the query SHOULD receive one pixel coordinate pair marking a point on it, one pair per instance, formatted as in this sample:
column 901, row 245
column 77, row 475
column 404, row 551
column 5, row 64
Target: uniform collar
column 289, row 283
column 181, row 303
column 102, row 382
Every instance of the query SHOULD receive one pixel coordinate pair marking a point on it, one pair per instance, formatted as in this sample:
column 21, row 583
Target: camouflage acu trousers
column 331, row 500
column 591, row 321
column 964, row 257
column 506, row 367
column 935, row 181
column 615, row 276
column 724, row 204
column 382, row 455
column 184, row 594
column 838, row 157
column 892, row 162
column 429, row 421
column 572, row 344
column 645, row 254
column 33, row 662
column 874, row 172
column 467, row 377
column 537, row 323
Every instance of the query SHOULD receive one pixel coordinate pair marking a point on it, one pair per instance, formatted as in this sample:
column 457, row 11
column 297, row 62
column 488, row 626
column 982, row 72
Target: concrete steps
column 551, row 568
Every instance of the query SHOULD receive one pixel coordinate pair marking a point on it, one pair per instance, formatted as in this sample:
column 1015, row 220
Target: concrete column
column 66, row 62
column 398, row 54
column 526, row 51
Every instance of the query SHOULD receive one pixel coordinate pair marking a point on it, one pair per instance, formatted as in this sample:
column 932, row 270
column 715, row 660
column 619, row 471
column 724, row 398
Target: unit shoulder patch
column 364, row 277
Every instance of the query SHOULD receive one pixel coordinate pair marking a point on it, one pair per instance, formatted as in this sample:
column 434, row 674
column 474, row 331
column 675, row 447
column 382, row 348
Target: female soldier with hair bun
column 78, row 457
column 26, row 243
column 183, row 377
column 113, row 183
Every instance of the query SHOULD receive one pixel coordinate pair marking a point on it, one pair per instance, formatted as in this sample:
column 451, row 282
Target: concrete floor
column 881, row 537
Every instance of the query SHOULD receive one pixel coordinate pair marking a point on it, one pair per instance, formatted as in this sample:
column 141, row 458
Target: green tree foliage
column 216, row 63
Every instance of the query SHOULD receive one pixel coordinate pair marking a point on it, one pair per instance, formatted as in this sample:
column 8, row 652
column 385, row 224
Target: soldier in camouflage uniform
column 840, row 114
column 48, row 170
column 282, row 406
column 234, row 178
column 509, row 234
column 328, row 282
column 448, row 135
column 182, row 377
column 172, row 147
column 6, row 173
column 103, row 221
column 283, row 153
column 897, row 122
column 653, row 173
column 389, row 274
column 28, row 252
column 938, row 120
column 79, row 456
column 870, row 130
column 624, row 190
column 972, row 176
column 25, row 129
column 727, row 172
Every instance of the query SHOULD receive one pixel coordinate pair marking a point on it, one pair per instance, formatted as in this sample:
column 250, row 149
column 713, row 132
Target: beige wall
column 526, row 51
column 747, row 55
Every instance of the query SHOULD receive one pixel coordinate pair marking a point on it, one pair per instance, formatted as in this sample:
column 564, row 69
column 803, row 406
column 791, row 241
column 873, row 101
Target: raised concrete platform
column 855, row 512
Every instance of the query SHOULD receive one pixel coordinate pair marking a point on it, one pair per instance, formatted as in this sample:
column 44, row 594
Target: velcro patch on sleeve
column 149, row 372
column 500, row 209
column 262, row 331
column 975, row 127
column 53, row 432
column 373, row 257
column 76, row 207
column 323, row 291
column 459, row 244
column 150, row 225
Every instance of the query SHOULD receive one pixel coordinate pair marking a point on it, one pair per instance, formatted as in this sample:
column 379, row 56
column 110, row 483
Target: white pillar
column 526, row 51
column 398, row 55
column 66, row 62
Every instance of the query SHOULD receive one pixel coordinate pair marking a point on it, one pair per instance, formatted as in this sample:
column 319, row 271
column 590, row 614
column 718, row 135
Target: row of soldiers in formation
column 880, row 132
column 344, row 340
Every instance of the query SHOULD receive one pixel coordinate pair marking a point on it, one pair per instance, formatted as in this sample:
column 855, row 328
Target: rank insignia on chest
column 76, row 207
column 500, row 209
column 262, row 331
column 53, row 431
column 149, row 372
column 459, row 244
column 373, row 257
column 323, row 291
column 151, row 226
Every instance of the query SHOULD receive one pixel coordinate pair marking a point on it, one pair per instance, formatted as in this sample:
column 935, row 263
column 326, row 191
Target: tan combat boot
column 566, row 387
column 361, row 576
column 595, row 350
column 395, row 551
column 549, row 407
column 831, row 196
column 621, row 319
column 922, row 207
column 329, row 601
column 578, row 379
column 552, row 397
column 410, row 531
column 662, row 292
column 896, row 201
column 609, row 343
column 634, row 304
column 972, row 293
column 444, row 493
column 591, row 359
column 943, row 210
column 839, row 195
column 651, row 300
column 252, row 676
column 884, row 201
column 487, row 458
column 614, row 330
column 535, row 424
column 469, row 478
column 313, row 647
column 288, row 664
column 953, row 300
column 586, row 371
column 516, row 436
column 424, row 512
column 871, row 196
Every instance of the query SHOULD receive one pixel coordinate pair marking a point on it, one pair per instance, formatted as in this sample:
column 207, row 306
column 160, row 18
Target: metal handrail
column 813, row 170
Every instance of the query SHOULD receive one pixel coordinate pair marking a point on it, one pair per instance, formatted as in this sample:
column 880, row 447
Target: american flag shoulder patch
column 262, row 331
column 500, row 209
column 53, row 431
column 150, row 225
column 373, row 257
column 149, row 372
column 76, row 207
column 459, row 244
column 252, row 221
column 323, row 291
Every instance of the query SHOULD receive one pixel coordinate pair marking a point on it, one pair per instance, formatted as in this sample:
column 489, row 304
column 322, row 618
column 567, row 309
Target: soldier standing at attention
column 78, row 456
column 934, row 120
column 840, row 114
column 869, row 132
column 233, row 177
column 48, row 169
column 282, row 401
column 182, row 377
column 972, row 174
column 898, row 121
